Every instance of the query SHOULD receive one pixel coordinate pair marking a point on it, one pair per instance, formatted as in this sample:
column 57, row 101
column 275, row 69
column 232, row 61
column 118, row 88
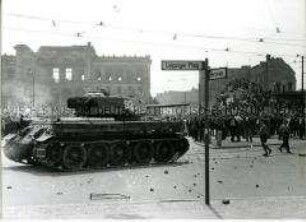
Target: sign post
column 180, row 65
column 210, row 74
column 206, row 134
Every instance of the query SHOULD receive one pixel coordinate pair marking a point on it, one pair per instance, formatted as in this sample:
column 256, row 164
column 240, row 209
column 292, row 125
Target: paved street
column 256, row 186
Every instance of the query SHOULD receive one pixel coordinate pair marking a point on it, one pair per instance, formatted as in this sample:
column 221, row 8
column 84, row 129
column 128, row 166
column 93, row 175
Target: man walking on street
column 284, row 132
column 263, row 133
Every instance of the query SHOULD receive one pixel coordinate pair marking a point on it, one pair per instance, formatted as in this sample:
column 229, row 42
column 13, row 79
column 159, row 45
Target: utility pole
column 267, row 79
column 33, row 87
column 303, row 74
column 206, row 133
column 303, row 93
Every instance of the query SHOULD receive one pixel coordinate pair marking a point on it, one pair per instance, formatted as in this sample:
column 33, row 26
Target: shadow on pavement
column 124, row 216
column 45, row 171
column 216, row 213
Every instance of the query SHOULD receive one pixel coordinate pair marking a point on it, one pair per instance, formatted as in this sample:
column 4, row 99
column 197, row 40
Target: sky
column 230, row 33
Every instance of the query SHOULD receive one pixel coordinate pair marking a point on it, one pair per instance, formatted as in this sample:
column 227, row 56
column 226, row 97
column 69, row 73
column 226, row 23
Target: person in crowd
column 301, row 128
column 201, row 130
column 249, row 126
column 263, row 134
column 284, row 131
column 21, row 122
column 224, row 127
column 293, row 126
column 185, row 127
column 238, row 130
column 233, row 128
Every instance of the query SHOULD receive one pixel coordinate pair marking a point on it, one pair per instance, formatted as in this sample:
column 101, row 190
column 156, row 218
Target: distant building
column 54, row 73
column 178, row 97
column 8, row 72
column 273, row 75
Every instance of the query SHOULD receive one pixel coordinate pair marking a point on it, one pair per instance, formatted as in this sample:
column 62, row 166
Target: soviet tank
column 104, row 132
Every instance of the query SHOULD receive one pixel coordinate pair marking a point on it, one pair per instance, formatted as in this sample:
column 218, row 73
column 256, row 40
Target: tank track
column 77, row 156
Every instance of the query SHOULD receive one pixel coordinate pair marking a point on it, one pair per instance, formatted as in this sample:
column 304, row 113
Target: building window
column 83, row 77
column 55, row 75
column 119, row 78
column 68, row 74
column 138, row 79
column 109, row 78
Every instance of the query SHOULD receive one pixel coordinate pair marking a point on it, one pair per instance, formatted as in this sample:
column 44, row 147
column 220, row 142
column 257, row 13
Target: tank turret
column 99, row 105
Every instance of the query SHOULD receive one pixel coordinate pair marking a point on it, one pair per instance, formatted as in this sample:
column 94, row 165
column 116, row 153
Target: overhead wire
column 158, row 44
column 100, row 23
column 74, row 34
column 175, row 35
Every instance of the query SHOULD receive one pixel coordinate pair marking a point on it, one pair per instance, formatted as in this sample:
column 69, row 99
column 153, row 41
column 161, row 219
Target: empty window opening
column 69, row 74
column 82, row 77
column 55, row 75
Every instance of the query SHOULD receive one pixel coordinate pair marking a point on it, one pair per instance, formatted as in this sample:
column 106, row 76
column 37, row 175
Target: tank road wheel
column 143, row 152
column 117, row 154
column 98, row 156
column 74, row 157
column 164, row 152
column 54, row 154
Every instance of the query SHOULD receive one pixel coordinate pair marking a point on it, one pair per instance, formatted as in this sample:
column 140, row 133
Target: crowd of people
column 243, row 125
column 239, row 111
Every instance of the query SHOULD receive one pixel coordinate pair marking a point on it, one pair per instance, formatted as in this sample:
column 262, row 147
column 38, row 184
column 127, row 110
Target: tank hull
column 78, row 144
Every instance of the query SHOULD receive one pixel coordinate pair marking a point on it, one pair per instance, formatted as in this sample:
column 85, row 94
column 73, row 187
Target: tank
column 105, row 132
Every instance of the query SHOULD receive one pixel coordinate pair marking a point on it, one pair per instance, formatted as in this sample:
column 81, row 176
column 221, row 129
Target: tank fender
column 44, row 137
column 7, row 139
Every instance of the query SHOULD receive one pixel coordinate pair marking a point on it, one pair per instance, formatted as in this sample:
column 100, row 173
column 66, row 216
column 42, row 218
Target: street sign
column 182, row 65
column 220, row 73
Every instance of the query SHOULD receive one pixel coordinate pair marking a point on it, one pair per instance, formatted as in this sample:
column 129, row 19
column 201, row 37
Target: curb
column 243, row 146
column 237, row 146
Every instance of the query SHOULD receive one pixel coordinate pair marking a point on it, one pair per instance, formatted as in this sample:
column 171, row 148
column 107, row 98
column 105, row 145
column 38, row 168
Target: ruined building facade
column 55, row 73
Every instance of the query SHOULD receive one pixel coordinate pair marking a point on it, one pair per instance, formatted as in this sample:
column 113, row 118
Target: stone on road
column 256, row 186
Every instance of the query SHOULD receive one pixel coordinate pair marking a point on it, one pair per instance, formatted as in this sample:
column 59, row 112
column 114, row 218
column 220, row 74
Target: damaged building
column 55, row 73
